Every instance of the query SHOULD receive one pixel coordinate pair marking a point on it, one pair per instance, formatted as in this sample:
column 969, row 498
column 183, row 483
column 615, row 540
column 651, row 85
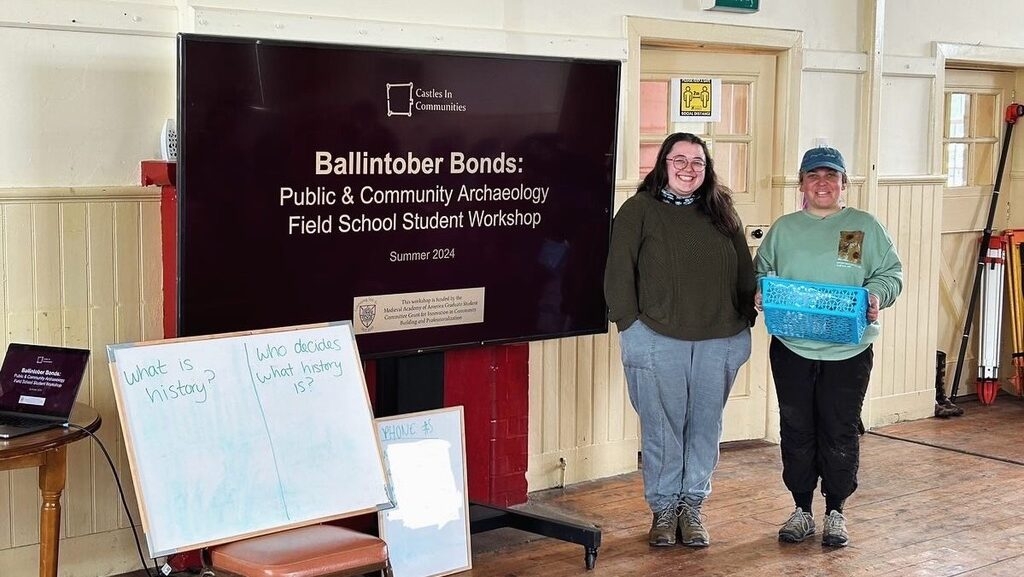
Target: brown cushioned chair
column 313, row 551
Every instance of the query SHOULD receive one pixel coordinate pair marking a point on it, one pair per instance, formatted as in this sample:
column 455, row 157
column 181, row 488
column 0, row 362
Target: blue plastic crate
column 817, row 311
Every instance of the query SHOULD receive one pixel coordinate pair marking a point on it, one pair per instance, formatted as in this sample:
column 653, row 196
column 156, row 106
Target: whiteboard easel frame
column 125, row 413
column 383, row 522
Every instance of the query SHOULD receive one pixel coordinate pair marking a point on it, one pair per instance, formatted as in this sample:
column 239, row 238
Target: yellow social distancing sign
column 696, row 100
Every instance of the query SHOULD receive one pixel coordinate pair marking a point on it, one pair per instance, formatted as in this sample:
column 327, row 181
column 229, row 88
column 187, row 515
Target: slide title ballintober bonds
column 356, row 163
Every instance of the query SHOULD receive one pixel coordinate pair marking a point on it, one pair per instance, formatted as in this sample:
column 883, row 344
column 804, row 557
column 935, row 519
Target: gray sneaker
column 663, row 528
column 834, row 534
column 691, row 531
column 799, row 527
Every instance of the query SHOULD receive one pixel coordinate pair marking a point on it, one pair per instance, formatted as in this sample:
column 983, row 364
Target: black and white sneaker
column 799, row 527
column 835, row 534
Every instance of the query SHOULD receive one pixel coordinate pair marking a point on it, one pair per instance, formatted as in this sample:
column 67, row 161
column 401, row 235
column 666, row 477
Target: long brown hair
column 714, row 200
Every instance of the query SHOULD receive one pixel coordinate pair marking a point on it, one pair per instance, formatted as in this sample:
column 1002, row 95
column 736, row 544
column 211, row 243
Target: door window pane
column 648, row 154
column 735, row 110
column 731, row 164
column 956, row 162
column 983, row 164
column 956, row 124
column 987, row 118
column 653, row 106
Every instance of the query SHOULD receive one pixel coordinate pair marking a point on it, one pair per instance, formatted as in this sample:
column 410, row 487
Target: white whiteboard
column 236, row 435
column 428, row 531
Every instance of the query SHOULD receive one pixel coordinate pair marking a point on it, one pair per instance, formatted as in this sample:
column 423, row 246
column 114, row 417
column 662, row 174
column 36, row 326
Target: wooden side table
column 47, row 450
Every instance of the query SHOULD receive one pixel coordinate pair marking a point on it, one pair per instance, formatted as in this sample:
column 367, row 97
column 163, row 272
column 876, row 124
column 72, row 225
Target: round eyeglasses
column 681, row 162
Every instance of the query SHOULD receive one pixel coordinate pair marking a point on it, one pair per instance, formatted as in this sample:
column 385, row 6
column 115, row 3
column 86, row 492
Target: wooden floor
column 936, row 498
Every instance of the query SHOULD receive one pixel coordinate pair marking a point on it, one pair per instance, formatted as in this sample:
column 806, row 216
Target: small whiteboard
column 237, row 435
column 428, row 531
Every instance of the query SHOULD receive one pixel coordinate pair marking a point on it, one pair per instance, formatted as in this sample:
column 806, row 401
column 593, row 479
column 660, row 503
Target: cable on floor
column 945, row 448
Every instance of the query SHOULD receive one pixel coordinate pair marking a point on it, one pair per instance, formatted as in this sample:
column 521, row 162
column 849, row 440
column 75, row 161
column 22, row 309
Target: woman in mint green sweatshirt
column 821, row 385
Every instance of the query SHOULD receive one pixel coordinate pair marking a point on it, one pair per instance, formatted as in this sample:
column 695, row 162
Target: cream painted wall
column 81, row 109
column 906, row 125
column 990, row 32
column 912, row 25
column 85, row 86
column 830, row 110
column 115, row 58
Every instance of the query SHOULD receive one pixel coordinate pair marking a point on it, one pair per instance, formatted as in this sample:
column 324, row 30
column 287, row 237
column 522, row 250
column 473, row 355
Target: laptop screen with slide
column 38, row 386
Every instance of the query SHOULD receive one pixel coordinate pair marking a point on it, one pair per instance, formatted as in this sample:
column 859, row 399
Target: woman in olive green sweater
column 680, row 288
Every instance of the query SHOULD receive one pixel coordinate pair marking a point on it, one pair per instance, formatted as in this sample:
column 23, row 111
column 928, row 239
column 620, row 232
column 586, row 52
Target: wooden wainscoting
column 79, row 267
column 903, row 380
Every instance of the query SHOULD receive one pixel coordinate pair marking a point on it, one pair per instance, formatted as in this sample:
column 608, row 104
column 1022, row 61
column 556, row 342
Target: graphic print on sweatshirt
column 851, row 248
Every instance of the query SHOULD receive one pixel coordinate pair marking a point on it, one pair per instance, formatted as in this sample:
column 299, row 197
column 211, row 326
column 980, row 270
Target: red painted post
column 491, row 384
column 164, row 174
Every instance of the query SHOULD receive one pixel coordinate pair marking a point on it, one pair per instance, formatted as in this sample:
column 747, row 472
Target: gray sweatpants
column 679, row 389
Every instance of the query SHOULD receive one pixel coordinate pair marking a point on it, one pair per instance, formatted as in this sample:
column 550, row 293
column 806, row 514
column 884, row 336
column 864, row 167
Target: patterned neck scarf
column 669, row 198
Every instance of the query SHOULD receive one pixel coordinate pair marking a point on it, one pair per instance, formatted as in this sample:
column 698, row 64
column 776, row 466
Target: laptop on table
column 38, row 387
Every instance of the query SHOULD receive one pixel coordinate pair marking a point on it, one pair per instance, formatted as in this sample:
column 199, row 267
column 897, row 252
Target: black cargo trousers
column 819, row 406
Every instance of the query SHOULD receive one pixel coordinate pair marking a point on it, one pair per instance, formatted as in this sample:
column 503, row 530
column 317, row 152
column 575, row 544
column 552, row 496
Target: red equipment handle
column 1013, row 112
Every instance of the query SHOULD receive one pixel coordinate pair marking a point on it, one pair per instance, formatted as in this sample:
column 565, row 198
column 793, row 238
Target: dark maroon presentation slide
column 435, row 199
column 41, row 379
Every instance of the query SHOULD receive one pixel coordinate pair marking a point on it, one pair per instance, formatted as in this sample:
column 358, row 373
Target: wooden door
column 741, row 145
column 973, row 126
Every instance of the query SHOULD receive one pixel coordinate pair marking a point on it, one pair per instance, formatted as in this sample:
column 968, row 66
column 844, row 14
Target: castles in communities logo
column 367, row 310
column 405, row 97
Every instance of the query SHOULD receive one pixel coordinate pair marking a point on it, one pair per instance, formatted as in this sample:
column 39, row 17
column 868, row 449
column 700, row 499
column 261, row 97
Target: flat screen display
column 40, row 379
column 435, row 199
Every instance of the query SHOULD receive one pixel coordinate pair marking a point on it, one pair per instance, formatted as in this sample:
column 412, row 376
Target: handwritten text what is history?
column 294, row 364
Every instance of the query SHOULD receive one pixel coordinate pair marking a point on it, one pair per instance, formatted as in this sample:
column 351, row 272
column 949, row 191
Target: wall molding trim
column 427, row 36
column 897, row 180
column 130, row 18
column 79, row 194
column 834, row 61
column 909, row 66
column 978, row 54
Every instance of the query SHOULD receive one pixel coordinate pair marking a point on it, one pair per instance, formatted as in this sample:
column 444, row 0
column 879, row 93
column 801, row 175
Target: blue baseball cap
column 823, row 157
